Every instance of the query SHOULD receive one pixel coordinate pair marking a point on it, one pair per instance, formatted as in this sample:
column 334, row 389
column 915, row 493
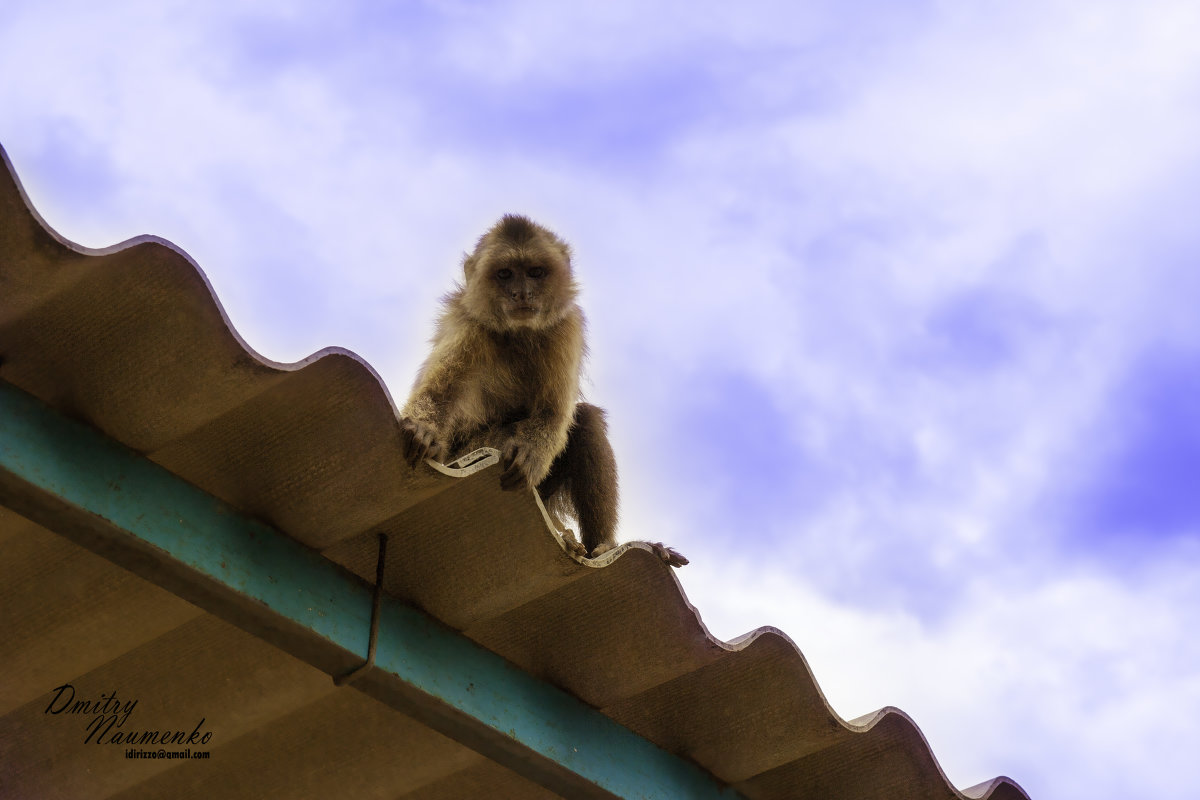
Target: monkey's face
column 526, row 291
column 519, row 283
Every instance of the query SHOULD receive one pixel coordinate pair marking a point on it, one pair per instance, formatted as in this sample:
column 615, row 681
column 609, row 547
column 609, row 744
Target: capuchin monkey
column 505, row 369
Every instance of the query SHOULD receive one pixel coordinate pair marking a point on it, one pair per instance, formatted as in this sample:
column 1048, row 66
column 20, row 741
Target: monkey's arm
column 428, row 418
column 532, row 446
column 553, row 389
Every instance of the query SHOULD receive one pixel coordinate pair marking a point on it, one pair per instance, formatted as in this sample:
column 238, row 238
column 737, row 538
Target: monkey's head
column 519, row 277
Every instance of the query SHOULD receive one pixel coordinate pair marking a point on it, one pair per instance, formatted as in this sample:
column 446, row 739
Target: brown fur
column 505, row 369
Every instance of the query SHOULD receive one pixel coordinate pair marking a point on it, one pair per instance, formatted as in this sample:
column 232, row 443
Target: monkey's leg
column 556, row 498
column 585, row 475
column 586, row 470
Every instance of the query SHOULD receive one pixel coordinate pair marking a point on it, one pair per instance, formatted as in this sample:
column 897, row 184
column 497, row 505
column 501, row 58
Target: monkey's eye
column 537, row 272
column 504, row 274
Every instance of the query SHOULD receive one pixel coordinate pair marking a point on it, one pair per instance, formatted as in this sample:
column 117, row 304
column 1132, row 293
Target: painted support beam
column 83, row 485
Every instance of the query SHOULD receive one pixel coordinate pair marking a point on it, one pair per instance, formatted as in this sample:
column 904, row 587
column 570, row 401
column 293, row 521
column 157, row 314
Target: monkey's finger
column 408, row 445
column 513, row 478
column 517, row 475
column 419, row 442
column 513, row 459
column 421, row 451
column 509, row 456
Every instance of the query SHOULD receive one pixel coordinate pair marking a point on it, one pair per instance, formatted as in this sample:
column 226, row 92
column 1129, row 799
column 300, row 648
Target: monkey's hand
column 670, row 556
column 420, row 441
column 517, row 460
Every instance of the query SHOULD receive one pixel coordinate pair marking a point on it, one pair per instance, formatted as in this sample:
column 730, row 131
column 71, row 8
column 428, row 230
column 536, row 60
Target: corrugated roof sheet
column 132, row 340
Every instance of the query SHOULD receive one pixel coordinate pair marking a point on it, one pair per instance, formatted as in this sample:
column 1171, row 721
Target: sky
column 892, row 305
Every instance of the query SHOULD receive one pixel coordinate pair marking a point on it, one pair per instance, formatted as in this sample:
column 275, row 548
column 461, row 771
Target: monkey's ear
column 469, row 262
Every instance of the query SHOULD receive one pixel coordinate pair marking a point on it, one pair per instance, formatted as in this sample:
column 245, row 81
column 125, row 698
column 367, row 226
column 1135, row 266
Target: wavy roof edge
column 22, row 297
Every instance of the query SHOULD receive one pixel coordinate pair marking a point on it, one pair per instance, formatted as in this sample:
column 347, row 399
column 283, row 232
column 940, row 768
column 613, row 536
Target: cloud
column 1034, row 679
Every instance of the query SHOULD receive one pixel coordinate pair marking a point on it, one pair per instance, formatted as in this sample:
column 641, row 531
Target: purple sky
column 893, row 306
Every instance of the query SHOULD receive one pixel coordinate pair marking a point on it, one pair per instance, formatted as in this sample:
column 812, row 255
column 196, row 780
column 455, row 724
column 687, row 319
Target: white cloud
column 1037, row 681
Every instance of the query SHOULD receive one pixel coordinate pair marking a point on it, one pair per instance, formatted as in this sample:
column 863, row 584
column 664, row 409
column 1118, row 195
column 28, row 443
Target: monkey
column 505, row 367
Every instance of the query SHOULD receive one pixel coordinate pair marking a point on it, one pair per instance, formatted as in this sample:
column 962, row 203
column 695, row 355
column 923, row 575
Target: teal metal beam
column 76, row 481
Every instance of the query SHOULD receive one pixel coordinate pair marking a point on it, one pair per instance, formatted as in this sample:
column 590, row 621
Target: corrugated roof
column 132, row 340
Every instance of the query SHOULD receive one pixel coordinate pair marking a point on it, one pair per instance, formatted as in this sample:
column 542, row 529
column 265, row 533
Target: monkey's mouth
column 523, row 311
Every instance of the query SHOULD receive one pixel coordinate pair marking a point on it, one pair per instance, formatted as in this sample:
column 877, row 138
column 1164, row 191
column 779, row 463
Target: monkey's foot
column 601, row 549
column 669, row 555
column 573, row 545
